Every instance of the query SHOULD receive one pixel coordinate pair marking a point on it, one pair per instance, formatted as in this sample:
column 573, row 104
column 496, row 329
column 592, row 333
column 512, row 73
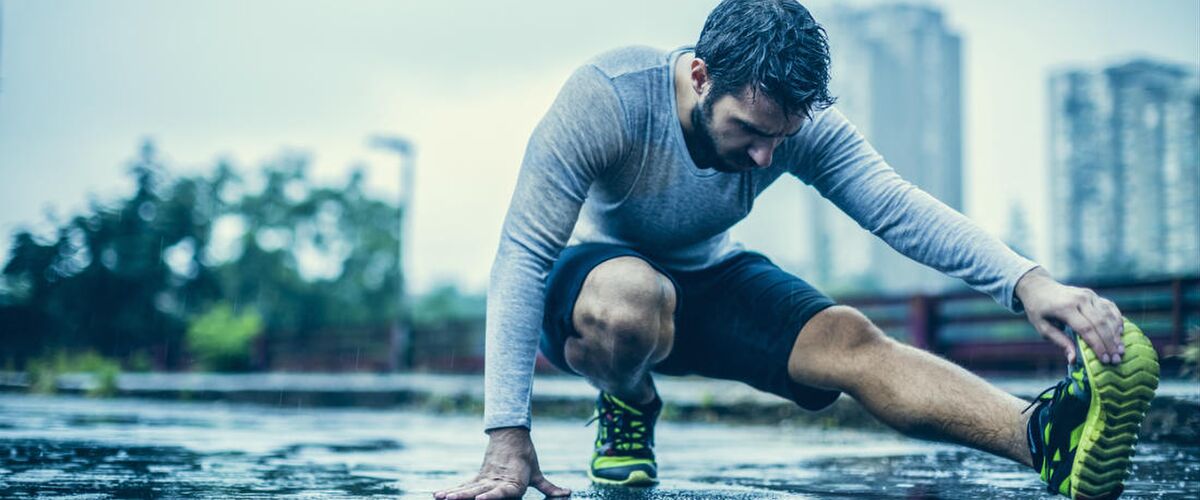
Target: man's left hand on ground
column 1051, row 306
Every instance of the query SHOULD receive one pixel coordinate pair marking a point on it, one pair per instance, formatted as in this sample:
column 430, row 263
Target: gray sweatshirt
column 608, row 164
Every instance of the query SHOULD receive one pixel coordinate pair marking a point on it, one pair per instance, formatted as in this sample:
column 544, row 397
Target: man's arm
column 580, row 135
column 834, row 158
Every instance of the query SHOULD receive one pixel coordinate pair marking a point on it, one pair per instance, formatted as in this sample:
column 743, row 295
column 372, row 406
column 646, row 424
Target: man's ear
column 699, row 74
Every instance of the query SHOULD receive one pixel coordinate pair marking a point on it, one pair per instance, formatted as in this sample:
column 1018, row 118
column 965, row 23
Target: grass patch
column 45, row 371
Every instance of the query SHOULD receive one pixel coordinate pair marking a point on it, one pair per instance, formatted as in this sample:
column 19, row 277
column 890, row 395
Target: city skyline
column 1125, row 169
column 82, row 85
column 1124, row 182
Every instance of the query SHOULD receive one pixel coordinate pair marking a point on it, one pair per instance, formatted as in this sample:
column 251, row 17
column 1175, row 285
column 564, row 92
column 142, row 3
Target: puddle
column 84, row 448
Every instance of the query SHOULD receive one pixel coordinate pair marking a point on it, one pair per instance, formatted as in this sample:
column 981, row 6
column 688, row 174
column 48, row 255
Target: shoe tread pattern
column 1124, row 393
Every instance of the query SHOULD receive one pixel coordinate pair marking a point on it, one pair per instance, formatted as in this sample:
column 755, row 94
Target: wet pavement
column 129, row 448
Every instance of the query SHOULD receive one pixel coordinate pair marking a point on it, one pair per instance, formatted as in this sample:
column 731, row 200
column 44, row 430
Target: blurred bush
column 447, row 307
column 125, row 279
column 44, row 372
column 448, row 330
column 221, row 340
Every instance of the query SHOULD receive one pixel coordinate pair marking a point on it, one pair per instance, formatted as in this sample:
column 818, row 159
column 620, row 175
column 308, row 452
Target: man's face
column 740, row 133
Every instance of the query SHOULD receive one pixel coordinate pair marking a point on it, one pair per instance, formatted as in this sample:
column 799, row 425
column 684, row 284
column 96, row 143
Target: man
column 615, row 248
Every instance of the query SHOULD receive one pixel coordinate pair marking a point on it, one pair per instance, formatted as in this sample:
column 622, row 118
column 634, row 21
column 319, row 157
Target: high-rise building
column 896, row 73
column 1125, row 170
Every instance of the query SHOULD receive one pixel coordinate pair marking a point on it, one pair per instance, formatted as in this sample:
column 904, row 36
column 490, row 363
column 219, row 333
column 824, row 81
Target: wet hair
column 773, row 46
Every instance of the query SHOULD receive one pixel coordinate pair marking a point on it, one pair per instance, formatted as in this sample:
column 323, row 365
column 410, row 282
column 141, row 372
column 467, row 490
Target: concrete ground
column 1174, row 415
column 77, row 447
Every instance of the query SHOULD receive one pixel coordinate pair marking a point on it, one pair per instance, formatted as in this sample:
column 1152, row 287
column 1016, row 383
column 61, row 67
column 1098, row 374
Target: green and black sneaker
column 624, row 453
column 1084, row 429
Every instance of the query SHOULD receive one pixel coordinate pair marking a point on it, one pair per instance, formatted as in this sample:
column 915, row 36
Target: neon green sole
column 636, row 478
column 1120, row 398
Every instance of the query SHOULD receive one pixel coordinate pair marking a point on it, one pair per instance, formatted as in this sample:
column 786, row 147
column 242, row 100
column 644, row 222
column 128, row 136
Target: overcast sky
column 82, row 83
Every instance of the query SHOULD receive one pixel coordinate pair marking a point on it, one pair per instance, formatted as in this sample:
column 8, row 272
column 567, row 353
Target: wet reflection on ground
column 52, row 446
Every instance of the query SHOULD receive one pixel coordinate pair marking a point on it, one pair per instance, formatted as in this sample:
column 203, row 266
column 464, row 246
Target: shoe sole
column 1121, row 396
column 636, row 478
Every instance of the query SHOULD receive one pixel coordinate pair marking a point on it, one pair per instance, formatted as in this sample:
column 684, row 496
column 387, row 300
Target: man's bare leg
column 913, row 391
column 625, row 318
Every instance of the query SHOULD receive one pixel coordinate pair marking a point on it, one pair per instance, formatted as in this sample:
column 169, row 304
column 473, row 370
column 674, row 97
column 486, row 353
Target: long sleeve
column 578, row 138
column 836, row 160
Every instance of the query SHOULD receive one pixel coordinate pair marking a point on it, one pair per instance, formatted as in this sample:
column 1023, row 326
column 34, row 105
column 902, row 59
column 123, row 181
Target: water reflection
column 52, row 446
column 44, row 467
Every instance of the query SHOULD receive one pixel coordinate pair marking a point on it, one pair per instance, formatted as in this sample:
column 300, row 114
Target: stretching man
column 616, row 250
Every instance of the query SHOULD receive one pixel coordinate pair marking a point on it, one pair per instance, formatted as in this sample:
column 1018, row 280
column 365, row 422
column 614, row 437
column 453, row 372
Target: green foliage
column 44, row 372
column 222, row 340
column 446, row 307
column 127, row 278
column 139, row 362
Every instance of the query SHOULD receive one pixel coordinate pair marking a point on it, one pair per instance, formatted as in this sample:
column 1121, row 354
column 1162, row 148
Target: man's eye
column 748, row 130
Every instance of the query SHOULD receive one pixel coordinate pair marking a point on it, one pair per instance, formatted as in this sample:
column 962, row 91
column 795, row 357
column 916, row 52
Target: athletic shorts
column 736, row 320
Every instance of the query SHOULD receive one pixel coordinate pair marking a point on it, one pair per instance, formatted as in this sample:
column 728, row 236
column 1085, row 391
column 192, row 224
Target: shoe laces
column 621, row 429
column 1058, row 389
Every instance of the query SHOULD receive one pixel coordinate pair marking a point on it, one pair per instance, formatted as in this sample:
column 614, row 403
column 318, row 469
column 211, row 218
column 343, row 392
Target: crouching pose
column 615, row 252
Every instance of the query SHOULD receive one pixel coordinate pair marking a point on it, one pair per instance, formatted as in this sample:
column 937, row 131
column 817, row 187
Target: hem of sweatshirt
column 497, row 420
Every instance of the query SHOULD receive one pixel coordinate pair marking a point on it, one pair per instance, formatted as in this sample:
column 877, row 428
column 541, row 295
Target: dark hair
column 771, row 45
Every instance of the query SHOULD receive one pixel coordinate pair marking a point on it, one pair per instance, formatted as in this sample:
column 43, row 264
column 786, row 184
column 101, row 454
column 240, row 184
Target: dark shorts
column 736, row 320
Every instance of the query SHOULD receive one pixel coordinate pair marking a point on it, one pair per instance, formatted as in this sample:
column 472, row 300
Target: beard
column 703, row 146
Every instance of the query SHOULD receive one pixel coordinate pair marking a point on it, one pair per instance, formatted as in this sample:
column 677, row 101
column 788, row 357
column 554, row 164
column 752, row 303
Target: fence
column 964, row 326
column 971, row 330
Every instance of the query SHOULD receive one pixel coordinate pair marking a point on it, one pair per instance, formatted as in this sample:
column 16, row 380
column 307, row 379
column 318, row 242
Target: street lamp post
column 401, row 335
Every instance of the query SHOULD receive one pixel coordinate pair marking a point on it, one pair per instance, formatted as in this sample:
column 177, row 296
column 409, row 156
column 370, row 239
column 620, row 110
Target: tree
column 126, row 279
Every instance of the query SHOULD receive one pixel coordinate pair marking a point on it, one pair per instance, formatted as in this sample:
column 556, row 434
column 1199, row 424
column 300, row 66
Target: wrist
column 509, row 443
column 1031, row 280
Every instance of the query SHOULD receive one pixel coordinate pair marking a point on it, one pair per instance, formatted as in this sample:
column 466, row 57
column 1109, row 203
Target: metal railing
column 965, row 326
column 971, row 330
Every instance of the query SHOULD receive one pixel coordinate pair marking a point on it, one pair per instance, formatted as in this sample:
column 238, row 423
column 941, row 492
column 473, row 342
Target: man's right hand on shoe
column 1052, row 306
column 510, row 466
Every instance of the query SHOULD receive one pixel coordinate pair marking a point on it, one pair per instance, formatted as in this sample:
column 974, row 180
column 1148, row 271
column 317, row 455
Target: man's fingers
column 549, row 489
column 470, row 490
column 1103, row 326
column 1117, row 323
column 440, row 494
column 1058, row 337
column 1110, row 324
column 504, row 490
column 1088, row 332
column 462, row 486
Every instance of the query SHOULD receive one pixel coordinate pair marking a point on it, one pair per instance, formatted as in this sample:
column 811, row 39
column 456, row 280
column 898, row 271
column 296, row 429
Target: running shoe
column 624, row 452
column 1083, row 431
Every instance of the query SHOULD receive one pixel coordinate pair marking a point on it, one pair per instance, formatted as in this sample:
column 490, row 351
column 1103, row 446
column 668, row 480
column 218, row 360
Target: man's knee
column 834, row 343
column 625, row 310
column 848, row 330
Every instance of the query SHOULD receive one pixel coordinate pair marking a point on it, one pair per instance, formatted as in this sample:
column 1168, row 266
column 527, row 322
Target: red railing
column 971, row 330
column 963, row 326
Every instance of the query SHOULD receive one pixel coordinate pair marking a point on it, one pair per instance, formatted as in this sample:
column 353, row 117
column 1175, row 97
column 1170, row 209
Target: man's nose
column 762, row 152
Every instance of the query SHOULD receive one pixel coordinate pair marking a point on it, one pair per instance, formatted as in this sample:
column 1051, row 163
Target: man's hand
column 1051, row 306
column 510, row 466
